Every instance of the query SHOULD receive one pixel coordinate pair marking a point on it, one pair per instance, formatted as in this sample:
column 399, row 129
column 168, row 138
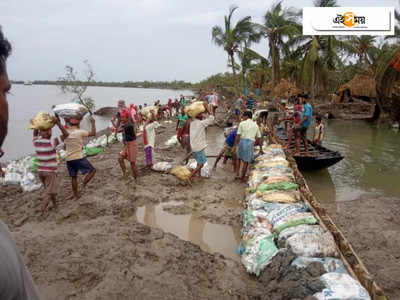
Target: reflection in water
column 196, row 231
column 150, row 215
column 371, row 165
column 208, row 236
column 321, row 184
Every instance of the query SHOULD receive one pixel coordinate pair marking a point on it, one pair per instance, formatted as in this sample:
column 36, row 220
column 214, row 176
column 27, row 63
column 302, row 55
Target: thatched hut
column 267, row 88
column 362, row 86
column 286, row 89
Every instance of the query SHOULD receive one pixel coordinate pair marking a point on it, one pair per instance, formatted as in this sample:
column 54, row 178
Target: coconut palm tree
column 321, row 55
column 396, row 35
column 279, row 25
column 364, row 47
column 232, row 36
column 250, row 61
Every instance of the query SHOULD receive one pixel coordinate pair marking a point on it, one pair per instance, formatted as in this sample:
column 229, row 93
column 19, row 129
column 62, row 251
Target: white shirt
column 151, row 134
column 198, row 139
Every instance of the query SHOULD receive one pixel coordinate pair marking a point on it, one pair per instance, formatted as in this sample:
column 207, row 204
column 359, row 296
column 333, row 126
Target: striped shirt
column 46, row 154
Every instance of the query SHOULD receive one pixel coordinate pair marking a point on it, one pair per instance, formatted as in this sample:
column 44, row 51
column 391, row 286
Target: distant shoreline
column 178, row 85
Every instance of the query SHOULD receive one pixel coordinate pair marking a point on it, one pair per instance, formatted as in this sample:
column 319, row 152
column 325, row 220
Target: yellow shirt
column 249, row 130
column 74, row 143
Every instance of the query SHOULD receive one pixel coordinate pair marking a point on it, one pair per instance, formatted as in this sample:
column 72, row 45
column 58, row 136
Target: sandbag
column 42, row 121
column 172, row 141
column 162, row 166
column 258, row 253
column 330, row 264
column 275, row 146
column 276, row 179
column 34, row 164
column 112, row 139
column 70, row 110
column 299, row 218
column 63, row 154
column 29, row 184
column 192, row 164
column 12, row 178
column 341, row 287
column 146, row 111
column 277, row 186
column 119, row 137
column 92, row 151
column 181, row 172
column 272, row 164
column 280, row 211
column 281, row 196
column 315, row 243
column 254, row 202
column 205, row 171
column 194, row 109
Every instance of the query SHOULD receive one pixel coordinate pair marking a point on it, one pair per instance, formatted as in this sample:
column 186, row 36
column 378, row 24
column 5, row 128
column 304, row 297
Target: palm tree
column 250, row 60
column 364, row 48
column 396, row 35
column 279, row 24
column 231, row 37
column 321, row 55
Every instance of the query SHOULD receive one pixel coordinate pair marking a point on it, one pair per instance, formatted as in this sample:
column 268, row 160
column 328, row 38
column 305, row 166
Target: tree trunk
column 235, row 79
column 378, row 113
column 275, row 64
column 313, row 82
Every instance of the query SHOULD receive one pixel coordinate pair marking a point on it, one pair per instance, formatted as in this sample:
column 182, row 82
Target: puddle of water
column 208, row 236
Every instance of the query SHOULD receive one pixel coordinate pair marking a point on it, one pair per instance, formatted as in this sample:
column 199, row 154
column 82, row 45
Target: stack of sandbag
column 276, row 219
column 19, row 173
column 42, row 121
column 194, row 109
column 70, row 110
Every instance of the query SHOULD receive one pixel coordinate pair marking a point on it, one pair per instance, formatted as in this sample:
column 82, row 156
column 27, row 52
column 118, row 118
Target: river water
column 27, row 100
column 371, row 167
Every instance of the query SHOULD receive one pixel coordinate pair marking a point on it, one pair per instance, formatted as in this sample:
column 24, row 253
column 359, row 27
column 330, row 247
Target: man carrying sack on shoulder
column 198, row 140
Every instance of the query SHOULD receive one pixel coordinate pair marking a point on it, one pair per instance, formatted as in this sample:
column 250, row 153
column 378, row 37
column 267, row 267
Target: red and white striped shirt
column 46, row 154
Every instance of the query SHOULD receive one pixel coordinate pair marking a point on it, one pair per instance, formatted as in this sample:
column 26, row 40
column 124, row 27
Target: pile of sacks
column 276, row 219
column 20, row 173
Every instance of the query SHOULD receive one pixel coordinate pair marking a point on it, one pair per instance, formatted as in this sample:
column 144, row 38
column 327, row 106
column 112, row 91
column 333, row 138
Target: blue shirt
column 250, row 103
column 307, row 111
column 230, row 139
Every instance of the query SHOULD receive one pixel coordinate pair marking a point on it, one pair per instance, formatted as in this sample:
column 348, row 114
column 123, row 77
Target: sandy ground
column 372, row 226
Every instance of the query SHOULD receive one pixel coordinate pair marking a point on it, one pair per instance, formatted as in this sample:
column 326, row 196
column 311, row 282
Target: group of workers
column 298, row 121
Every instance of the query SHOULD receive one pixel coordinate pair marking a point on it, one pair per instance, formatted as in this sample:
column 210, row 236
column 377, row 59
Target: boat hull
column 320, row 157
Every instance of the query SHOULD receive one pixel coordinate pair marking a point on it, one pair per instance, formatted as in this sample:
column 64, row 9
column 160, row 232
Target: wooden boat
column 320, row 157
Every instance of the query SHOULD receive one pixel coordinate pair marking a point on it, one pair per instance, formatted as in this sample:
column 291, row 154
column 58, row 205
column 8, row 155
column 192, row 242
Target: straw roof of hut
column 267, row 87
column 286, row 89
column 362, row 85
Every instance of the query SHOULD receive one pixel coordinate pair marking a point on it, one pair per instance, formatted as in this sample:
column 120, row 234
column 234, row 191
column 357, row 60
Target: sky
column 127, row 40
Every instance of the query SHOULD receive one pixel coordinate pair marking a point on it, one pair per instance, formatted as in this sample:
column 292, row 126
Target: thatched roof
column 286, row 89
column 362, row 85
column 267, row 87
